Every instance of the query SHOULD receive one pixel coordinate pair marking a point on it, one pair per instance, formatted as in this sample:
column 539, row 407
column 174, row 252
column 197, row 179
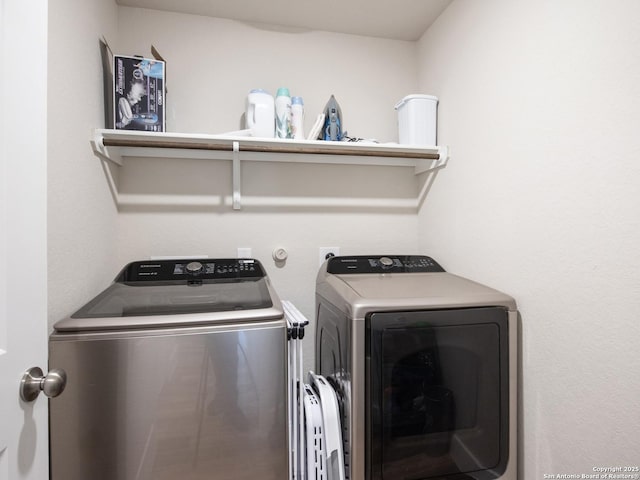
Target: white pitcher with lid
column 260, row 113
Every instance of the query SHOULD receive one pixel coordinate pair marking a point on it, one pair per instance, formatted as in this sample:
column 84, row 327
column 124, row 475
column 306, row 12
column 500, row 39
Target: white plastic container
column 260, row 114
column 417, row 119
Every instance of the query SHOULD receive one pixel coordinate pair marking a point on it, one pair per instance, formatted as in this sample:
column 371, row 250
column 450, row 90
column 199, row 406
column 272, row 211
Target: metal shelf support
column 237, row 178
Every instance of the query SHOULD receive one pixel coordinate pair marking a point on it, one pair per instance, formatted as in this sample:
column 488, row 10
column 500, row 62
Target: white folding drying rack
column 315, row 439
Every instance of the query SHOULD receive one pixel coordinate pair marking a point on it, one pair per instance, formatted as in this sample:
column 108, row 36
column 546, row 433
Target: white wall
column 540, row 102
column 212, row 64
column 81, row 212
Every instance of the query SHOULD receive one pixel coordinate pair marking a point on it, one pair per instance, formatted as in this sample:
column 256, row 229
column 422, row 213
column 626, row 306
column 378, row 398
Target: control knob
column 194, row 268
column 386, row 262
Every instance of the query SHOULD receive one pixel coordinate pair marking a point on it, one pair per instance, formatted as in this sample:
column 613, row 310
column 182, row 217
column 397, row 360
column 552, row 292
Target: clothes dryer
column 424, row 364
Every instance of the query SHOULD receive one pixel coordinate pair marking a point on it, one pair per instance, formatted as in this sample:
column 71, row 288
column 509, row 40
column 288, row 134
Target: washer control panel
column 200, row 269
column 383, row 264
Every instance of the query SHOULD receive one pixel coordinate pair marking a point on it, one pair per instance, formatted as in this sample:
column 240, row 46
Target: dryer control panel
column 188, row 269
column 383, row 264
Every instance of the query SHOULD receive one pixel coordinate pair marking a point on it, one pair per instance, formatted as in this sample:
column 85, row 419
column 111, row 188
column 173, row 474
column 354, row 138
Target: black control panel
column 383, row 264
column 190, row 270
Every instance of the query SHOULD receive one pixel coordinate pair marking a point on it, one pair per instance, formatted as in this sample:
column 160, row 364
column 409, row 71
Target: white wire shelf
column 117, row 145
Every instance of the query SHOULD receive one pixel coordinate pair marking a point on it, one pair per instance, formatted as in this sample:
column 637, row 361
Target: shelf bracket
column 428, row 166
column 237, row 178
column 444, row 157
column 102, row 151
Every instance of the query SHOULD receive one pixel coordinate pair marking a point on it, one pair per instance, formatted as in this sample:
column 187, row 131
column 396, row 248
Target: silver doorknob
column 34, row 381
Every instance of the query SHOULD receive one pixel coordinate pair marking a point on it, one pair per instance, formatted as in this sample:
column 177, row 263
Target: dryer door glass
column 437, row 390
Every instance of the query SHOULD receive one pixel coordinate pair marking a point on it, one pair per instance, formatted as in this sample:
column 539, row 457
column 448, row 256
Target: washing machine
column 176, row 371
column 424, row 366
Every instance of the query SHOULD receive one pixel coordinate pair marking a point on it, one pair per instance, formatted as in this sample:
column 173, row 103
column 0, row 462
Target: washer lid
column 170, row 292
column 219, row 296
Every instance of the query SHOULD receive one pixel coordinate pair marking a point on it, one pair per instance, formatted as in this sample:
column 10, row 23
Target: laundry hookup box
column 139, row 94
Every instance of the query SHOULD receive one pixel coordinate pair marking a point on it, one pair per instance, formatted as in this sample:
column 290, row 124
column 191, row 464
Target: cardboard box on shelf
column 139, row 94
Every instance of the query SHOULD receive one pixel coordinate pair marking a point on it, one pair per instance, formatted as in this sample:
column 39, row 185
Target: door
column 438, row 394
column 23, row 254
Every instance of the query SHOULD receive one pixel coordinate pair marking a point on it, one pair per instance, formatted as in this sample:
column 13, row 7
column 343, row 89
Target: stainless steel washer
column 176, row 371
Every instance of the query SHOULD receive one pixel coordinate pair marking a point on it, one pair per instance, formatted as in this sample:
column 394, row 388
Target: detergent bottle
column 259, row 114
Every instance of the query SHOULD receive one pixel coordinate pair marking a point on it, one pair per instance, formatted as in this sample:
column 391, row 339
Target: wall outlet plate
column 244, row 252
column 326, row 252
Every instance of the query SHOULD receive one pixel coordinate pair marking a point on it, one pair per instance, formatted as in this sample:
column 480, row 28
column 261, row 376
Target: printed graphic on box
column 139, row 94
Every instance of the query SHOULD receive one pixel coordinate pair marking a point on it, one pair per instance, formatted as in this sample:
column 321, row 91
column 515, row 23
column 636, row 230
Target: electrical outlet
column 244, row 252
column 327, row 252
